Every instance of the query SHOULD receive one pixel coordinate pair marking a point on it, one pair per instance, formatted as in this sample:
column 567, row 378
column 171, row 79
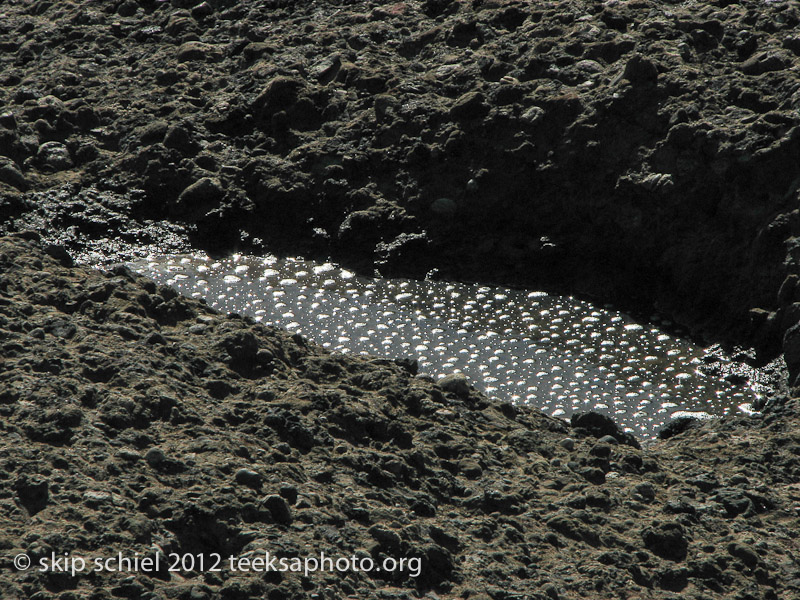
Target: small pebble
column 455, row 383
column 155, row 457
column 249, row 478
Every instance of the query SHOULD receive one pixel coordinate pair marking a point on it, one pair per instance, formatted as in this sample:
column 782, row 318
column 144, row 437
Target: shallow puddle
column 554, row 352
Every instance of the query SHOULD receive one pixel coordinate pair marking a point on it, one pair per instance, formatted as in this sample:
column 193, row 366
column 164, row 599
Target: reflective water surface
column 554, row 352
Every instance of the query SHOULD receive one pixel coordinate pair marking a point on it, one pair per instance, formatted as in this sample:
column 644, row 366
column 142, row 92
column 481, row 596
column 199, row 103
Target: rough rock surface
column 134, row 420
column 639, row 151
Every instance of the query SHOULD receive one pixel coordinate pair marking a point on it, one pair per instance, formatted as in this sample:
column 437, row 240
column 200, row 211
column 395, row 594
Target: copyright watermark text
column 253, row 562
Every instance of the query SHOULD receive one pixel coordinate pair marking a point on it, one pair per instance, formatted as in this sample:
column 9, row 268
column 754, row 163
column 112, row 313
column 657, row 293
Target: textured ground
column 524, row 143
column 643, row 152
column 138, row 421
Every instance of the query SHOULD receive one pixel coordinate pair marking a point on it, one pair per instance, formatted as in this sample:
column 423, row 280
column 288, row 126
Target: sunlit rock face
column 554, row 352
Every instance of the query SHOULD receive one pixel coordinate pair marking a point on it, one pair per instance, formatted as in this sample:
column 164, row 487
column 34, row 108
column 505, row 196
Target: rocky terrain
column 523, row 143
column 641, row 152
column 137, row 421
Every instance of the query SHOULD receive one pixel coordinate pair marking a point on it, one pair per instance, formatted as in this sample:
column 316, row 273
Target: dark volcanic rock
column 677, row 426
column 666, row 540
column 599, row 425
column 201, row 196
column 561, row 136
column 456, row 383
column 279, row 94
column 10, row 174
column 32, row 493
column 471, row 105
column 644, row 152
column 639, row 69
column 131, row 432
column 278, row 508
